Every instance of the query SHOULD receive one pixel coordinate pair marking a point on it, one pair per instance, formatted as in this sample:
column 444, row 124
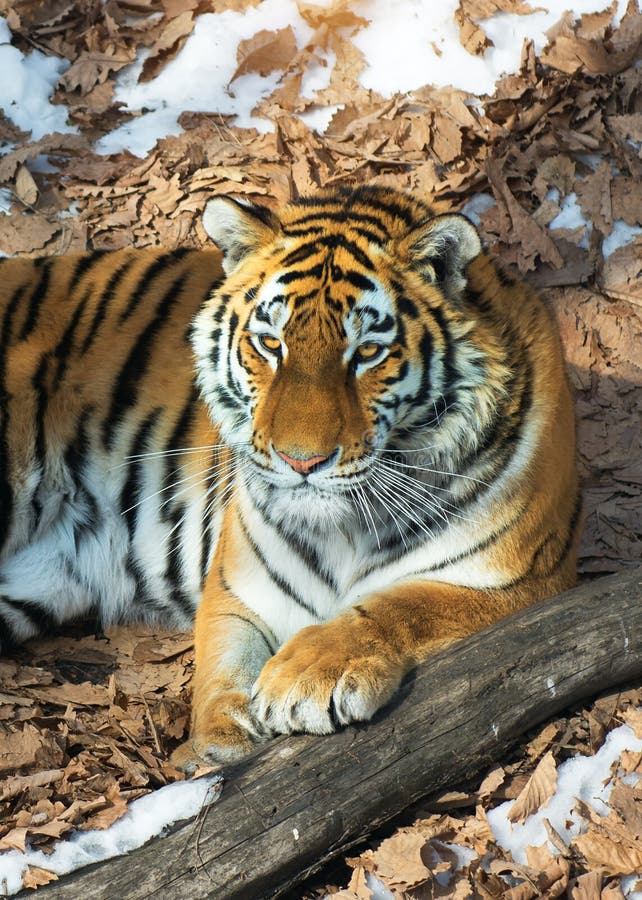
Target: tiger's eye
column 270, row 343
column 369, row 350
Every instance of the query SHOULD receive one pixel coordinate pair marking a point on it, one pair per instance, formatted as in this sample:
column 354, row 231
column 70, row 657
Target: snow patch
column 26, row 84
column 147, row 817
column 585, row 777
column 621, row 236
column 476, row 206
column 405, row 47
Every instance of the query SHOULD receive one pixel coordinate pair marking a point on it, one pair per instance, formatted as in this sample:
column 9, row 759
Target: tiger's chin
column 312, row 507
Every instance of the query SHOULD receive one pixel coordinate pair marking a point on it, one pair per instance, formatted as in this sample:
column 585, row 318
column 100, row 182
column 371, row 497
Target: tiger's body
column 381, row 459
column 95, row 372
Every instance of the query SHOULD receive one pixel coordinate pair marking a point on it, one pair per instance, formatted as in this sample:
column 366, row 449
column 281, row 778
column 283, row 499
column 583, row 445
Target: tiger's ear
column 238, row 228
column 443, row 247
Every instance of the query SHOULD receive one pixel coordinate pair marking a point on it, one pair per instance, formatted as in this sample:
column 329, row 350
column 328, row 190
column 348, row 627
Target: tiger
column 338, row 441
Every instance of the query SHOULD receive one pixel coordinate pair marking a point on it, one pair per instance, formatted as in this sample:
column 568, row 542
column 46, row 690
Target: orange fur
column 306, row 619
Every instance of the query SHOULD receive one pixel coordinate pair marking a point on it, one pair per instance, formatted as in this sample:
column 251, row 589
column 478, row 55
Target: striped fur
column 95, row 372
column 389, row 459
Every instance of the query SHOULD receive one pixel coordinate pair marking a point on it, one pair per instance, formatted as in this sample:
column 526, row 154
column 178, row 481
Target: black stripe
column 297, row 274
column 570, row 534
column 176, row 441
column 181, row 599
column 6, row 490
column 38, row 616
column 539, row 549
column 125, row 393
column 302, row 253
column 228, row 615
column 7, row 637
column 501, row 452
column 83, row 265
column 163, row 262
column 105, row 299
column 142, row 594
column 283, row 585
column 358, row 280
column 451, row 374
column 310, row 558
column 207, row 536
column 63, row 349
column 480, row 545
column 130, row 495
column 38, row 384
column 36, row 300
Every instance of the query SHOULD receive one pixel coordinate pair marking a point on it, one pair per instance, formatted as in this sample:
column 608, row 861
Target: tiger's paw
column 223, row 732
column 313, row 685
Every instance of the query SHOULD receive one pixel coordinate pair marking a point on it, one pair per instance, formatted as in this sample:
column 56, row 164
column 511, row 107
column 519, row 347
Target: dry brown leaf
column 398, row 860
column 516, row 224
column 588, row 887
column 594, row 197
column 539, row 857
column 83, row 694
column 265, row 52
column 633, row 718
column 94, row 67
column 34, row 877
column 569, row 52
column 594, row 26
column 358, row 888
column 626, row 801
column 168, row 44
column 494, row 779
column 471, row 34
column 613, row 857
column 17, row 784
column 336, row 15
column 626, row 126
column 55, row 143
column 26, row 189
column 538, row 790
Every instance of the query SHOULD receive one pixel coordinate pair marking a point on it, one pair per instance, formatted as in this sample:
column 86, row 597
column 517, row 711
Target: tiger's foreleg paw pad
column 314, row 688
column 223, row 732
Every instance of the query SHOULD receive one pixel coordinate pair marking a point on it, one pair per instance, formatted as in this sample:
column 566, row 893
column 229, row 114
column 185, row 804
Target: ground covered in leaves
column 448, row 849
column 86, row 722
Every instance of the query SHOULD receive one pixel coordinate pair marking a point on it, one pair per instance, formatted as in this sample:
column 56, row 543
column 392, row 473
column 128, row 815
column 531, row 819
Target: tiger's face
column 325, row 346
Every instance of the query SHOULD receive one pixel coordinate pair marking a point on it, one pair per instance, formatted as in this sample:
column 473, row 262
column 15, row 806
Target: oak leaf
column 537, row 791
column 265, row 52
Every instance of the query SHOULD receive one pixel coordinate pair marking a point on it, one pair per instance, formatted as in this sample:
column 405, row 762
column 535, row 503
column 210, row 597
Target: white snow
column 198, row 79
column 570, row 214
column 585, row 777
column 147, row 817
column 476, row 206
column 26, row 84
column 400, row 43
column 398, row 46
column 621, row 235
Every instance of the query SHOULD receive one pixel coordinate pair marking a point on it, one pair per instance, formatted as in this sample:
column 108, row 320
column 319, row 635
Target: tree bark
column 300, row 800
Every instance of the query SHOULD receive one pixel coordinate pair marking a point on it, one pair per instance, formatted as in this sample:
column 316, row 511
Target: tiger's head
column 339, row 333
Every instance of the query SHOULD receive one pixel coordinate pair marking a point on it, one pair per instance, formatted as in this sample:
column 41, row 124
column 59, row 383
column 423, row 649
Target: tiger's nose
column 302, row 466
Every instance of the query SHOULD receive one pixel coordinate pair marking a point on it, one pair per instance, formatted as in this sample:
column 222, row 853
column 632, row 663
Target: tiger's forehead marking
column 359, row 305
column 373, row 316
column 272, row 307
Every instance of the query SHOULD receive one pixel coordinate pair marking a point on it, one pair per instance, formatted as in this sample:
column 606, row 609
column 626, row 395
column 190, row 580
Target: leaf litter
column 86, row 722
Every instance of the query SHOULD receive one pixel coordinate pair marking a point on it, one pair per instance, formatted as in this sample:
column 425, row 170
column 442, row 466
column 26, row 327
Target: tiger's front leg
column 346, row 669
column 231, row 646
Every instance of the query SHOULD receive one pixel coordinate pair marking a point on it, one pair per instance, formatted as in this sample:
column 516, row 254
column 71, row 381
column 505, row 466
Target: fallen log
column 300, row 800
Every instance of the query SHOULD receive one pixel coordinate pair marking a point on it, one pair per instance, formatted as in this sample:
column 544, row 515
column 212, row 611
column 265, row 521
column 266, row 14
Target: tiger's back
column 95, row 371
